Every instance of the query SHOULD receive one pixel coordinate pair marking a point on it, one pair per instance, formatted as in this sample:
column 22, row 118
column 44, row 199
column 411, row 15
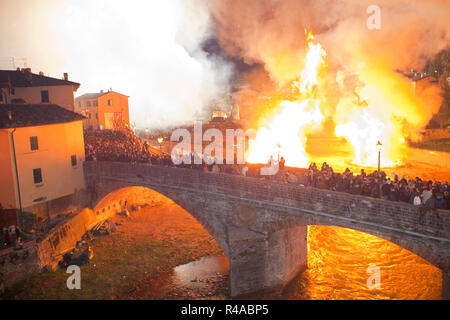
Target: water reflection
column 338, row 259
column 201, row 271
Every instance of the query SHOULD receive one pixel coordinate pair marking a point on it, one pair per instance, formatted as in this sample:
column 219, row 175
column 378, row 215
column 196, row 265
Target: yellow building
column 41, row 158
column 22, row 86
column 103, row 110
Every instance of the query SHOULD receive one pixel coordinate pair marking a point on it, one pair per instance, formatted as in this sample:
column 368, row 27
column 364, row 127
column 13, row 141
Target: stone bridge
column 261, row 225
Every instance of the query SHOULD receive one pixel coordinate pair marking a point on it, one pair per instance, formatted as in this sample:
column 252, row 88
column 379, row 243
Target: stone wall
column 17, row 265
column 436, row 134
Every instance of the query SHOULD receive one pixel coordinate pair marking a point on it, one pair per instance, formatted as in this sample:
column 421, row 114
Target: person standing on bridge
column 7, row 238
column 426, row 194
column 281, row 169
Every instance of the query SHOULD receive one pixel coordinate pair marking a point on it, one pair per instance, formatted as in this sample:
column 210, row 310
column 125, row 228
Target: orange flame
column 286, row 134
column 385, row 111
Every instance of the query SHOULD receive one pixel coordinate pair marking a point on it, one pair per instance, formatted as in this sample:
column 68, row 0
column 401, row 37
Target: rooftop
column 97, row 94
column 28, row 115
column 24, row 78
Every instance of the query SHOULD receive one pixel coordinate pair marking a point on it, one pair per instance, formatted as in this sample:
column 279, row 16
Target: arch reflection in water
column 338, row 259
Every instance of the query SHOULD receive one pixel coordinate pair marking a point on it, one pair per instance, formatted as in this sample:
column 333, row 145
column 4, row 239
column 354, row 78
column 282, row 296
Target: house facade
column 23, row 86
column 41, row 163
column 103, row 110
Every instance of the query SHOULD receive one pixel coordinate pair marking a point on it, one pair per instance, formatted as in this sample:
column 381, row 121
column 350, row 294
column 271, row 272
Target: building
column 103, row 110
column 22, row 86
column 41, row 158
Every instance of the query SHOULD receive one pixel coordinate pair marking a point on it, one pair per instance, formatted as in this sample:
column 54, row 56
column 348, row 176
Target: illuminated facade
column 41, row 158
column 103, row 110
column 22, row 86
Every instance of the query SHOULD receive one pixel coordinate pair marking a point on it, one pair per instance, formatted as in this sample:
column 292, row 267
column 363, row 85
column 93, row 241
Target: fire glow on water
column 373, row 117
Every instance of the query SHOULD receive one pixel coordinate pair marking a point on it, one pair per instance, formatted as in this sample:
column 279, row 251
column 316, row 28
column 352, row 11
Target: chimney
column 101, row 91
column 41, row 73
column 66, row 76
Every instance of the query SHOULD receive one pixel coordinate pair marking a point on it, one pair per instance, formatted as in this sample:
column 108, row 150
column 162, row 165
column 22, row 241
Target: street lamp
column 379, row 147
column 160, row 140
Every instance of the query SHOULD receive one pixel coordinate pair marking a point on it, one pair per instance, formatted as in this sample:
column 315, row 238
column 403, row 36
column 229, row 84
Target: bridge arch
column 141, row 196
column 433, row 254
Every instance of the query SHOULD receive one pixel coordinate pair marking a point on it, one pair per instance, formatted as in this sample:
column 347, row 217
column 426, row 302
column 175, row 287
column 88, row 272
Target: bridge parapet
column 399, row 215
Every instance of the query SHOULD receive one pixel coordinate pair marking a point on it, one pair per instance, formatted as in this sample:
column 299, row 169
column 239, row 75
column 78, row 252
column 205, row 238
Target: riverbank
column 128, row 262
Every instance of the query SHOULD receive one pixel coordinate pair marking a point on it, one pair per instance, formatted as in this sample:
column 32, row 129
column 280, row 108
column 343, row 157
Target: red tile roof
column 28, row 115
column 97, row 94
column 24, row 78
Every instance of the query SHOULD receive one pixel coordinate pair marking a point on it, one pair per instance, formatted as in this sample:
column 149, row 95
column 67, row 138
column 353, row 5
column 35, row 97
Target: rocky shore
column 137, row 261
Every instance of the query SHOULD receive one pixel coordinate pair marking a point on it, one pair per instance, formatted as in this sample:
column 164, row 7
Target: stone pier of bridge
column 266, row 262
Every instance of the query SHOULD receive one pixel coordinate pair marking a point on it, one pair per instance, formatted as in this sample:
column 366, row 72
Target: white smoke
column 148, row 50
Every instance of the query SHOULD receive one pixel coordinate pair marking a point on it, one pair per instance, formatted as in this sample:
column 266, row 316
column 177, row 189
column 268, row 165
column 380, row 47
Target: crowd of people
column 125, row 146
column 432, row 194
column 12, row 236
column 118, row 145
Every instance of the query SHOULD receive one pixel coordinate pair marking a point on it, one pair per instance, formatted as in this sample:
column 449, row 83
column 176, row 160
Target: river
column 338, row 261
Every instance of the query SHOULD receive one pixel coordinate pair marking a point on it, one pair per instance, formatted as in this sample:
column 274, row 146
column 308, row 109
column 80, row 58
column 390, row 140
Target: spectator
column 7, row 238
column 417, row 200
column 427, row 194
column 244, row 170
column 439, row 202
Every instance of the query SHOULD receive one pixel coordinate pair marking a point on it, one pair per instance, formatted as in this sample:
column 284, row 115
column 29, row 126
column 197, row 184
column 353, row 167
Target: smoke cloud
column 148, row 50
column 361, row 84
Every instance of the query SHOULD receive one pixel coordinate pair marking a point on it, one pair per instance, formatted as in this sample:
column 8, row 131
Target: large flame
column 364, row 132
column 380, row 107
column 388, row 111
column 286, row 133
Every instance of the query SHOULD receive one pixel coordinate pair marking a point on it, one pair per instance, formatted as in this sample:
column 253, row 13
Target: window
column 34, row 143
column 37, row 174
column 44, row 96
column 1, row 96
column 89, row 115
column 79, row 104
column 95, row 103
column 109, row 102
column 73, row 160
column 96, row 116
column 88, row 104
